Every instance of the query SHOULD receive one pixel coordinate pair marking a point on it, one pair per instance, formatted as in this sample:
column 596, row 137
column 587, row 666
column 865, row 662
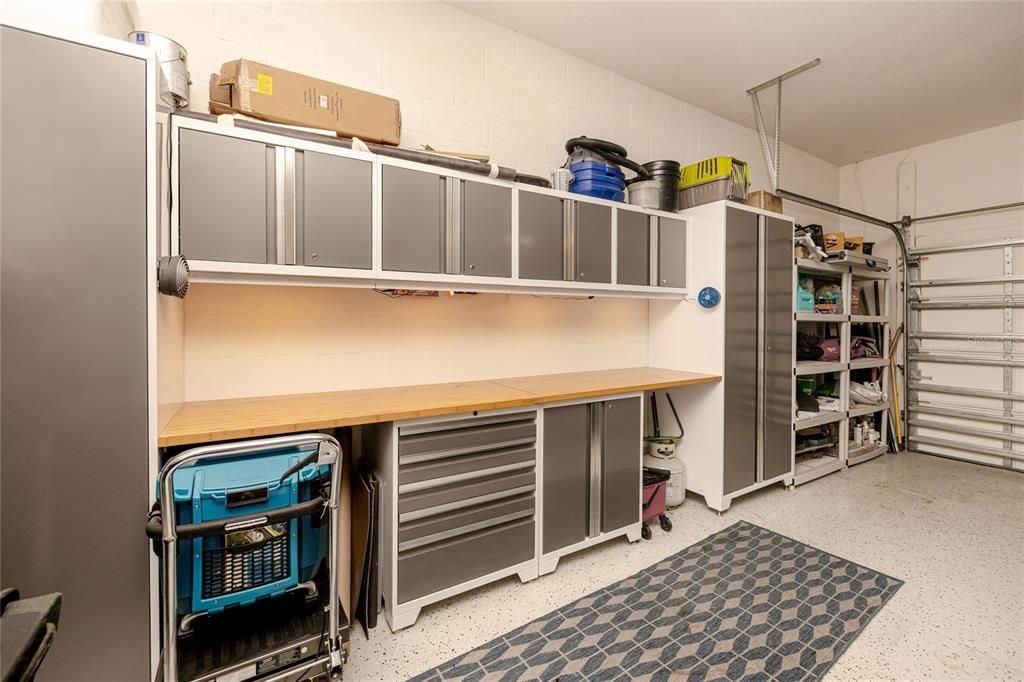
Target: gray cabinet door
column 226, row 204
column 541, row 237
column 671, row 252
column 413, row 220
column 486, row 229
column 566, row 476
column 778, row 347
column 621, row 457
column 74, row 297
column 334, row 205
column 593, row 243
column 633, row 258
column 740, row 378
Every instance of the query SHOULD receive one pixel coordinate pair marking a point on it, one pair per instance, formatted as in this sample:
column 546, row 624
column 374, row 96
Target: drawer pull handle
column 452, row 424
column 464, row 530
column 465, row 450
column 461, row 504
column 459, row 478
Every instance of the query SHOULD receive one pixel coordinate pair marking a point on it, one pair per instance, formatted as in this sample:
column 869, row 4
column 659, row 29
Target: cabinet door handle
column 472, row 266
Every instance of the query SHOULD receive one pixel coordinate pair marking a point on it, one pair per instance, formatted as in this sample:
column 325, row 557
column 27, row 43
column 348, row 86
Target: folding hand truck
column 163, row 526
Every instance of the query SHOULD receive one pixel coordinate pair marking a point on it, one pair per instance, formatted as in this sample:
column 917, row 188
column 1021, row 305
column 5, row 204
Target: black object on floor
column 247, row 637
column 742, row 603
column 27, row 630
column 365, row 550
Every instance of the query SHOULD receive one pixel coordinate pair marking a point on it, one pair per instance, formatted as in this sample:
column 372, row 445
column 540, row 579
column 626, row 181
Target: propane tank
column 661, row 454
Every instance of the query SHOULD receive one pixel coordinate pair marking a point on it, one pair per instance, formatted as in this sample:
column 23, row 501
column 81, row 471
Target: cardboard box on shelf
column 280, row 96
column 765, row 200
column 834, row 241
column 855, row 244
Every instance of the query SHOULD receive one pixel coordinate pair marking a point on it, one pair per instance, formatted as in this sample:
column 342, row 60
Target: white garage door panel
column 971, row 404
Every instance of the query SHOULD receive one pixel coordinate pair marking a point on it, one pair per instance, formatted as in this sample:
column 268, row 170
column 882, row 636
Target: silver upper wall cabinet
column 671, row 234
column 333, row 211
column 226, row 198
column 541, row 236
column 634, row 247
column 433, row 223
column 563, row 239
column 414, row 217
column 240, row 197
column 486, row 242
column 251, row 205
column 593, row 242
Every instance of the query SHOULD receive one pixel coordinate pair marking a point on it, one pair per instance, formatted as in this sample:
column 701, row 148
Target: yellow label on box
column 264, row 84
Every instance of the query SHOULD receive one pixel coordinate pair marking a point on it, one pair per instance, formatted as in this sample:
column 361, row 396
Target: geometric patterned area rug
column 743, row 604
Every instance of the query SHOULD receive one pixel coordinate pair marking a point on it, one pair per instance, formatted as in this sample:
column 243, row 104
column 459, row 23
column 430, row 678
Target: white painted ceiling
column 893, row 74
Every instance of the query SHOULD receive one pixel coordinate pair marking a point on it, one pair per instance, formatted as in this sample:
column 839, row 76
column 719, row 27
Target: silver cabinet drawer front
column 462, row 521
column 439, row 500
column 433, row 446
column 476, row 465
column 434, row 568
column 463, row 422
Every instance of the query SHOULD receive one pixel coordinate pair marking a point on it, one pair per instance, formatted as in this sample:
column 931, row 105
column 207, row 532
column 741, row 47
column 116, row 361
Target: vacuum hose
column 609, row 151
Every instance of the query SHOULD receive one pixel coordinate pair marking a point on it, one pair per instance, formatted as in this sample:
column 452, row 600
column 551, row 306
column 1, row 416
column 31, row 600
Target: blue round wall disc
column 709, row 297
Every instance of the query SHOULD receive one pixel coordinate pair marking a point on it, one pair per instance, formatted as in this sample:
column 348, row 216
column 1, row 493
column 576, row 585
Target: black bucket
column 666, row 172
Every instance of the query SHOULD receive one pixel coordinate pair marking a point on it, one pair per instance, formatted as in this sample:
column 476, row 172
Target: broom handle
column 895, row 388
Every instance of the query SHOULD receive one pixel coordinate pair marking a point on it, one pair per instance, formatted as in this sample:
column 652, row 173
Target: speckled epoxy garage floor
column 953, row 531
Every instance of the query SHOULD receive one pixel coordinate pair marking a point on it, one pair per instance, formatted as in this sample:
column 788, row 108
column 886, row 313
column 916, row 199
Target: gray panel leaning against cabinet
column 633, row 253
column 486, row 229
column 75, row 380
column 334, row 210
column 413, row 220
column 541, row 237
column 226, row 198
column 458, row 505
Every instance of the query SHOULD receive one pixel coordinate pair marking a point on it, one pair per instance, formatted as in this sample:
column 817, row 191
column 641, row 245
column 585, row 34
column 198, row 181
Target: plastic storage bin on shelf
column 253, row 563
column 596, row 179
column 714, row 179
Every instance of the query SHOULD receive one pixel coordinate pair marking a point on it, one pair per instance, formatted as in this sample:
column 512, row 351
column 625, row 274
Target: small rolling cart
column 655, row 487
column 247, row 533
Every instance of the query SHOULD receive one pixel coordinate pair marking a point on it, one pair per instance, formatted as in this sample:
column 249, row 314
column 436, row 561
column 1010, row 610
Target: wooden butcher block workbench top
column 213, row 420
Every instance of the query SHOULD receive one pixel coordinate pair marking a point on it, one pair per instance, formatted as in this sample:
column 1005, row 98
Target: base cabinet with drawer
column 458, row 505
column 591, row 475
column 466, row 499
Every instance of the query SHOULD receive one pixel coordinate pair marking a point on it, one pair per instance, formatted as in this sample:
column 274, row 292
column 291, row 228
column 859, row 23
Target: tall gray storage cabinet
column 77, row 280
column 758, row 379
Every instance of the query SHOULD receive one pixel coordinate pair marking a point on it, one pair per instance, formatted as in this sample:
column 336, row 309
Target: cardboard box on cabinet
column 281, row 96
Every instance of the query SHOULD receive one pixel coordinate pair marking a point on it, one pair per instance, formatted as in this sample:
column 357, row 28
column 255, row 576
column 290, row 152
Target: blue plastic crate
column 239, row 568
column 595, row 170
column 596, row 189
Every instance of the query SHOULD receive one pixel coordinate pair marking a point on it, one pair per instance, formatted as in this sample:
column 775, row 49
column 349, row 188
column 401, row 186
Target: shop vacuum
column 596, row 166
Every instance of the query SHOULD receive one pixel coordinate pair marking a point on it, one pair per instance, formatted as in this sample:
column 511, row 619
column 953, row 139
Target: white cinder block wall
column 464, row 83
column 114, row 18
